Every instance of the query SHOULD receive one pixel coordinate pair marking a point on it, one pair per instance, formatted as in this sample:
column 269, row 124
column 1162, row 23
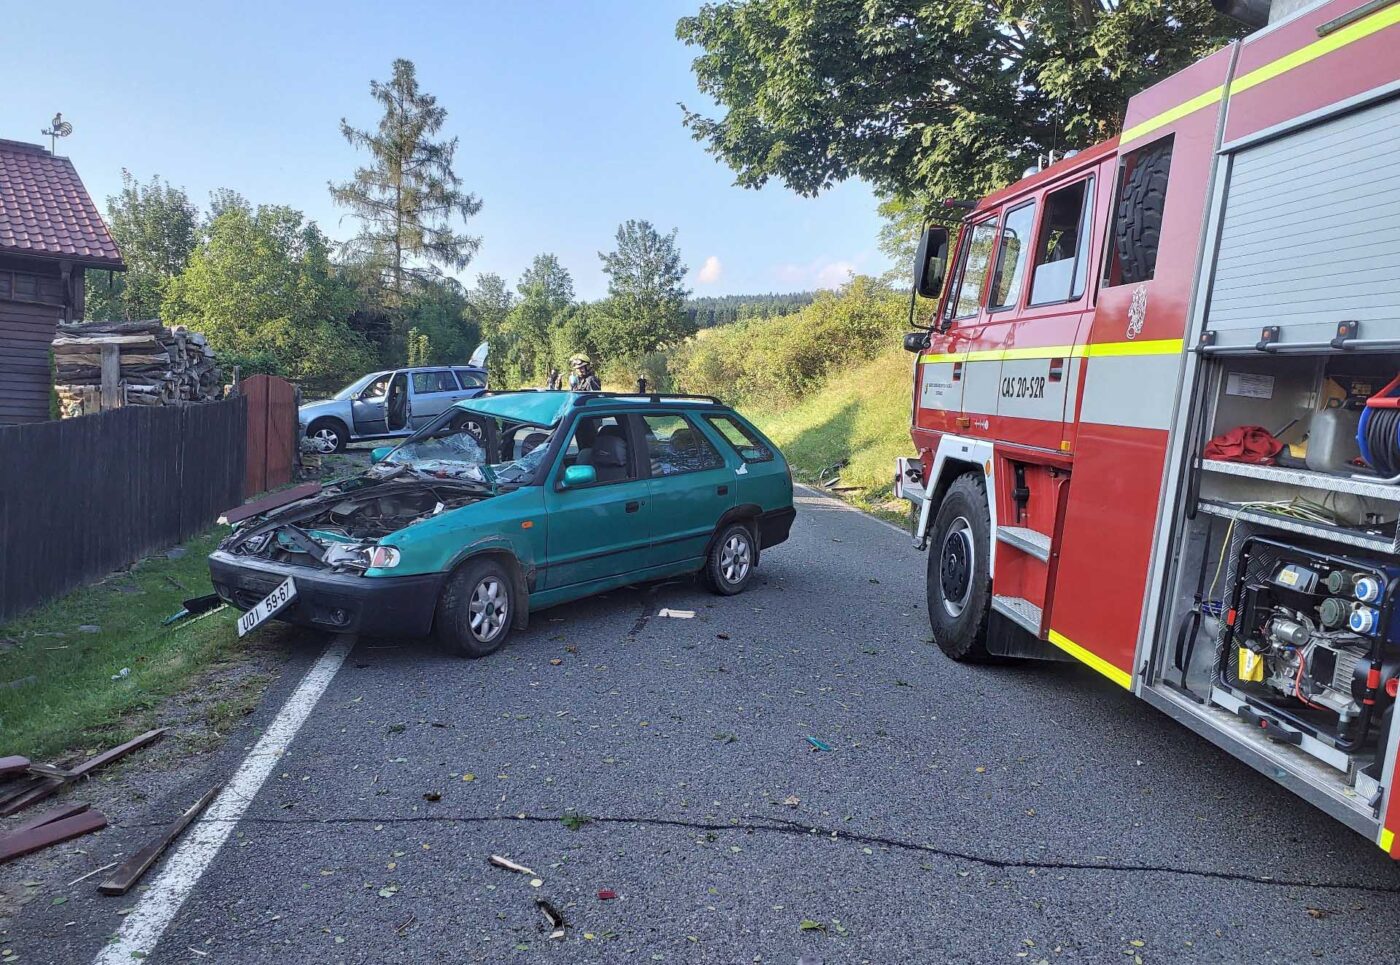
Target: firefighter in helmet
column 582, row 378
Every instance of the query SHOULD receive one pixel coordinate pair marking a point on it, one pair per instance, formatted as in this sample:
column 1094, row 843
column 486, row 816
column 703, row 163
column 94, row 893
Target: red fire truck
column 1157, row 412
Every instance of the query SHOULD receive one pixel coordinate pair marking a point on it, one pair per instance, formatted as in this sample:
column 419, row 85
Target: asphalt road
column 962, row 814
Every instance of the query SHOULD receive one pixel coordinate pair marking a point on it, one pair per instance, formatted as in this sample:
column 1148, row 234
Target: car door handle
column 722, row 491
column 633, row 506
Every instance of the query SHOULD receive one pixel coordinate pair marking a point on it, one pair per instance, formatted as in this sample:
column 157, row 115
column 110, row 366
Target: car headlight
column 383, row 557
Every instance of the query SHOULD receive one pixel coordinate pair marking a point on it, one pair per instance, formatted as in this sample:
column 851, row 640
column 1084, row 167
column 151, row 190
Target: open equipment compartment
column 1277, row 627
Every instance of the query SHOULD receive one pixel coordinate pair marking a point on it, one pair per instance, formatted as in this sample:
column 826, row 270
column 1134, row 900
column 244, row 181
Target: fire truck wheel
column 959, row 590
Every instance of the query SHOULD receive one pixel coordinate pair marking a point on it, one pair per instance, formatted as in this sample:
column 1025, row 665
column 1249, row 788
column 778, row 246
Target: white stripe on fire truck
column 1350, row 34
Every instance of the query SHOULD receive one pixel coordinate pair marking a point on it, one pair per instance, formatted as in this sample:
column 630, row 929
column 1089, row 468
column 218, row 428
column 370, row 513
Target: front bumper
column 399, row 606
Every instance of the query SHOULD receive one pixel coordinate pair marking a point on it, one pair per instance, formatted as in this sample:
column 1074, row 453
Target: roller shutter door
column 1311, row 233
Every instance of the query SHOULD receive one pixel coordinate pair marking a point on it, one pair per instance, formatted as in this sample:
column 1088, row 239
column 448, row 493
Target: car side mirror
column 575, row 476
column 931, row 262
column 379, row 454
column 916, row 341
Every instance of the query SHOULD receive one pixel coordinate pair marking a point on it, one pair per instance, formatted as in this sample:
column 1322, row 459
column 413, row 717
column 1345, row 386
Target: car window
column 967, row 296
column 379, row 388
column 1062, row 246
column 601, row 442
column 748, row 446
column 1012, row 257
column 439, row 380
column 469, row 380
column 674, row 446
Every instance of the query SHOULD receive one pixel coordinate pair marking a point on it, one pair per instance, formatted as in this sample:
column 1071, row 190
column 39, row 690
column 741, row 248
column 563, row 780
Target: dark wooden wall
column 34, row 296
column 82, row 497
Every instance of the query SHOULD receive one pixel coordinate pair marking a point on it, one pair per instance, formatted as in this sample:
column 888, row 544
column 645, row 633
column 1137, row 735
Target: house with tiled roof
column 50, row 234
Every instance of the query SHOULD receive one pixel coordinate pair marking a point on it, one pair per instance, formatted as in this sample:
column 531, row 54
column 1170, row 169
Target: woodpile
column 102, row 365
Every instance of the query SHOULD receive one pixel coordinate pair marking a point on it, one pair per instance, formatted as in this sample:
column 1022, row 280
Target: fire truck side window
column 976, row 257
column 1137, row 215
column 1012, row 257
column 1062, row 248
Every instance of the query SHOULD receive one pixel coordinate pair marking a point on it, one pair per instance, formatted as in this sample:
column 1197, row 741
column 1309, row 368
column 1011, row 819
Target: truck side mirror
column 931, row 262
column 915, row 341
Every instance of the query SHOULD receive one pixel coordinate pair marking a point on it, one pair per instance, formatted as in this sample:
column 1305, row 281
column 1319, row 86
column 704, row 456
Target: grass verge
column 860, row 415
column 57, row 691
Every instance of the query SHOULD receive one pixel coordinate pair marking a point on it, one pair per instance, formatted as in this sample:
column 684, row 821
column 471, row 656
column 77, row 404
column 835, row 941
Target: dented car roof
column 542, row 409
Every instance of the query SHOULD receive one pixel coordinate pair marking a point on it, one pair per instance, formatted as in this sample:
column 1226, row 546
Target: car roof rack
column 585, row 398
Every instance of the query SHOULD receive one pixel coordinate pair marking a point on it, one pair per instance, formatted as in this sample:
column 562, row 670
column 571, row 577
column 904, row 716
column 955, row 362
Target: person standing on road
column 641, row 385
column 554, row 380
column 583, row 378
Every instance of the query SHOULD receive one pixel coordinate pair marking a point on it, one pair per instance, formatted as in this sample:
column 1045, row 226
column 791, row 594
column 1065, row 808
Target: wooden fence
column 272, row 432
column 82, row 497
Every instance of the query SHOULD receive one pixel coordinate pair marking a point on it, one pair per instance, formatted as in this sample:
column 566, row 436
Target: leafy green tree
column 645, row 308
column 419, row 348
column 261, row 287
column 156, row 227
column 491, row 299
column 927, row 100
column 442, row 314
column 548, row 279
column 408, row 197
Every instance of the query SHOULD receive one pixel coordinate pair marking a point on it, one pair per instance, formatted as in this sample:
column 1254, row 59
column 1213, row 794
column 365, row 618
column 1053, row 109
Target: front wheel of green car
column 732, row 559
column 476, row 608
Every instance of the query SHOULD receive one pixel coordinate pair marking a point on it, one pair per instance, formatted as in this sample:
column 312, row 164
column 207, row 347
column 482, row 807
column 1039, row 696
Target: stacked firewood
column 155, row 365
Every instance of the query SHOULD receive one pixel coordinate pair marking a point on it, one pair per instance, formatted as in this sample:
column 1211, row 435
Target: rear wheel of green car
column 476, row 608
column 732, row 559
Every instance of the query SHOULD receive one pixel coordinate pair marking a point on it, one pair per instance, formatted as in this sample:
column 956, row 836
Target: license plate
column 265, row 608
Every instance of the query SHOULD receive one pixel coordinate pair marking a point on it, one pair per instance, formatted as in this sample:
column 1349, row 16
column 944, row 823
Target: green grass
column 860, row 415
column 73, row 702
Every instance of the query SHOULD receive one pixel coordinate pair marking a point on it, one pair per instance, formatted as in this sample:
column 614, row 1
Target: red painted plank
column 14, row 845
column 268, row 503
column 13, row 764
column 50, row 816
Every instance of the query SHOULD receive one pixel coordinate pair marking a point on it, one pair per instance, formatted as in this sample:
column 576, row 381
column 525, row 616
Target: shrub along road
column 961, row 814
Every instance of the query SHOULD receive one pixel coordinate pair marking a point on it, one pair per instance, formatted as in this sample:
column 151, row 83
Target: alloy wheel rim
column 735, row 558
column 957, row 560
column 489, row 609
column 325, row 440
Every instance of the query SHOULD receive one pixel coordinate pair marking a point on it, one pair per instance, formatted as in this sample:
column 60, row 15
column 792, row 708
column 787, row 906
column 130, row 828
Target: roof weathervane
column 57, row 128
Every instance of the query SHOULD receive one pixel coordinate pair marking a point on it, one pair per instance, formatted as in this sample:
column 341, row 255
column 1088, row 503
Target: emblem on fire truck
column 1137, row 311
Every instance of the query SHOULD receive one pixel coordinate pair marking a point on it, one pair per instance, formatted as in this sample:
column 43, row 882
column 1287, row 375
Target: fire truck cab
column 1157, row 409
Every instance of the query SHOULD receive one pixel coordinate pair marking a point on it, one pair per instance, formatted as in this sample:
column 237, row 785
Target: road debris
column 95, row 871
column 50, row 816
column 432, row 795
column 26, row 841
column 134, row 867
column 551, row 914
column 29, row 792
column 13, row 765
column 509, row 865
column 192, row 607
column 606, row 894
column 792, row 800
column 676, row 614
column 122, row 674
column 818, row 744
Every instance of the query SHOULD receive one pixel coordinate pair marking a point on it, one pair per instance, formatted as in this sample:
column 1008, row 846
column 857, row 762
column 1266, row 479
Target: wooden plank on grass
column 14, row 845
column 116, row 753
column 125, row 877
column 13, row 764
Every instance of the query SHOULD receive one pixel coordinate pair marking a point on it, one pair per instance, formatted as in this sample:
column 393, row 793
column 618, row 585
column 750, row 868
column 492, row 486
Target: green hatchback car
column 513, row 502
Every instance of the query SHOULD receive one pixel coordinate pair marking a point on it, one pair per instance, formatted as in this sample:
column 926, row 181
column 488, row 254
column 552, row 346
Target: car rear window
column 469, row 380
column 749, row 448
column 439, row 381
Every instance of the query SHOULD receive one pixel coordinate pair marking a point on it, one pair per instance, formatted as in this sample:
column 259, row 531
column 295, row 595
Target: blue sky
column 566, row 114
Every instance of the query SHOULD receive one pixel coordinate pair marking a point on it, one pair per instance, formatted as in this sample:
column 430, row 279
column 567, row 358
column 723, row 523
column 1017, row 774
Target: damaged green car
column 510, row 503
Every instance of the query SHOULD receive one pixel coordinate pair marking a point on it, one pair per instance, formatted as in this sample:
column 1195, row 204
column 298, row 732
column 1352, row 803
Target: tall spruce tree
column 408, row 197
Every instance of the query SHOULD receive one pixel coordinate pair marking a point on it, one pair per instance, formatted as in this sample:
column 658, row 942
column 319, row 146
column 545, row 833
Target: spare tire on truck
column 1137, row 224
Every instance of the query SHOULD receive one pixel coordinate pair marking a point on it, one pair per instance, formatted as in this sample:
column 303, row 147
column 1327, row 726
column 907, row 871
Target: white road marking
column 142, row 928
column 818, row 496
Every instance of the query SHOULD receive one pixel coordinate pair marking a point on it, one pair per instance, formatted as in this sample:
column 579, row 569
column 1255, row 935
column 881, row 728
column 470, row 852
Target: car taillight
column 383, row 557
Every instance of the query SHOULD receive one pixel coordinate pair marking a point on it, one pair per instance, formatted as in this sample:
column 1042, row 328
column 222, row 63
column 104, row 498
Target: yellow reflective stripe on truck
column 1121, row 677
column 1157, row 346
column 1387, row 839
column 1350, row 34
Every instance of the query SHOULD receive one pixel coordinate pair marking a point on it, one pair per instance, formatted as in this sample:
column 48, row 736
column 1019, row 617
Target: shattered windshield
column 473, row 446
